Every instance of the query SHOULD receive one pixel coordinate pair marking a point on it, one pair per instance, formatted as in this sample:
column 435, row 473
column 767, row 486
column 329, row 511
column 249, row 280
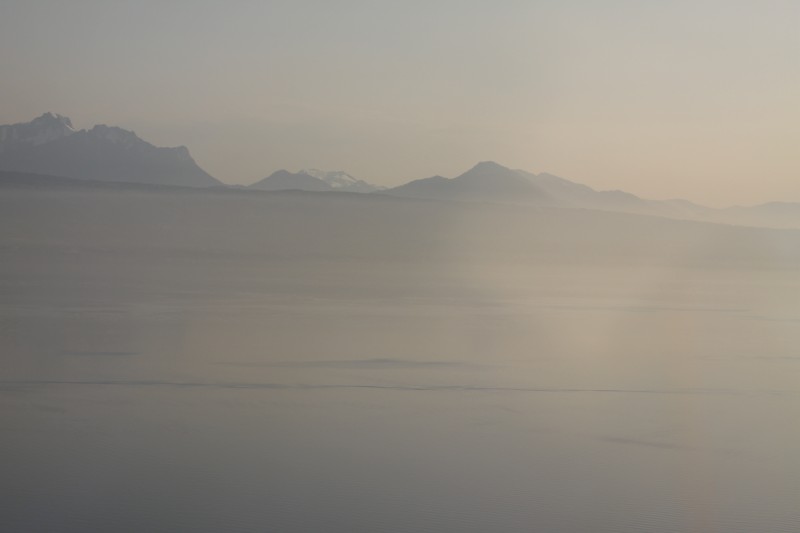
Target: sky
column 664, row 99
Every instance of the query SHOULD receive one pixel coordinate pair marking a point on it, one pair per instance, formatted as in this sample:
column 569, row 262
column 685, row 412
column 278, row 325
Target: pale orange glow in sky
column 690, row 99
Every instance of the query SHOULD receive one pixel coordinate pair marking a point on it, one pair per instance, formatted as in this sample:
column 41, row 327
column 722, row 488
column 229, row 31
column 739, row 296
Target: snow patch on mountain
column 50, row 145
column 41, row 130
column 341, row 180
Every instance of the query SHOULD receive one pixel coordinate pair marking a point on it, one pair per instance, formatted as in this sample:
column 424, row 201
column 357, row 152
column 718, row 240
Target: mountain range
column 50, row 145
column 490, row 181
column 313, row 180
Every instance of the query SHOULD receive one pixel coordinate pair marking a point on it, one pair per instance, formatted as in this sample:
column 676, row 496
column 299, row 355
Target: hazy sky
column 695, row 99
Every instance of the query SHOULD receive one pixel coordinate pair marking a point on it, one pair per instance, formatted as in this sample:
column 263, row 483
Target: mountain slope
column 341, row 181
column 282, row 180
column 485, row 181
column 490, row 181
column 50, row 145
column 41, row 130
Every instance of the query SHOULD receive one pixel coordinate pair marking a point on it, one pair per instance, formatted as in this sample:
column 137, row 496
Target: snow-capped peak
column 340, row 180
column 43, row 129
column 335, row 178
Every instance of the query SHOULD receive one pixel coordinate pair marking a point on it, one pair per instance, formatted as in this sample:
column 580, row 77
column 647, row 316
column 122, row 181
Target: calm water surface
column 346, row 397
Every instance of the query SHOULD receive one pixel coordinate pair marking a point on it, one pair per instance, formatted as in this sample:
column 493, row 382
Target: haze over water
column 266, row 309
column 299, row 362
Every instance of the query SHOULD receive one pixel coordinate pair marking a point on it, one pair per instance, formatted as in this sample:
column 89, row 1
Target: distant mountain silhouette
column 283, row 180
column 313, row 180
column 769, row 215
column 490, row 181
column 50, row 145
column 341, row 181
column 41, row 130
column 49, row 151
column 485, row 181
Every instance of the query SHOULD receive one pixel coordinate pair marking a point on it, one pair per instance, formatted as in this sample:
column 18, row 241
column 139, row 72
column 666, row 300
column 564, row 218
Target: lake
column 151, row 390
